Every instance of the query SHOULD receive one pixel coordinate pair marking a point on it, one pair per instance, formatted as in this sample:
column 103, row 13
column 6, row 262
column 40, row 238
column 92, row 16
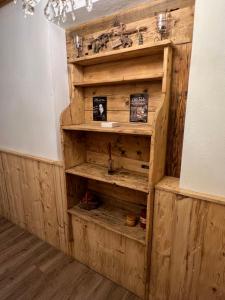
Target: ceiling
column 100, row 8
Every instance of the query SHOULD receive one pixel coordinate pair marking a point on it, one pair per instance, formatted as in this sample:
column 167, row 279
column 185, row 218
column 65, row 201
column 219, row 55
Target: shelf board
column 111, row 218
column 151, row 77
column 121, row 54
column 124, row 128
column 122, row 177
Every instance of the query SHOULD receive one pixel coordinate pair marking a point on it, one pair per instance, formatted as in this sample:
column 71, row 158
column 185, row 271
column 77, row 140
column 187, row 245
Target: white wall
column 203, row 162
column 33, row 82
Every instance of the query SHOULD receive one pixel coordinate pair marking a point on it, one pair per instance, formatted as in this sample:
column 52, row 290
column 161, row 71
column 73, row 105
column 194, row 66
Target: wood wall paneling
column 188, row 254
column 32, row 195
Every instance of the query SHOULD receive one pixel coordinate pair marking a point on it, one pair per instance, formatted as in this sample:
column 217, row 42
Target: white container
column 109, row 124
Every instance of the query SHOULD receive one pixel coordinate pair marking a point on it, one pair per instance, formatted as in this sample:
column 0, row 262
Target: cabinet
column 100, row 238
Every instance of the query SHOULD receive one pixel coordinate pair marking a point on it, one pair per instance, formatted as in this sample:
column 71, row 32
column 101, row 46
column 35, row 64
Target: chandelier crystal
column 55, row 10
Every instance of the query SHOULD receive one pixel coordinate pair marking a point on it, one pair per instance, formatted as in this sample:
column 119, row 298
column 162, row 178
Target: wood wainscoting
column 188, row 254
column 32, row 195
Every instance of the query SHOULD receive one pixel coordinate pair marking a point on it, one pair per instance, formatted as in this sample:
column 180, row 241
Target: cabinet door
column 111, row 254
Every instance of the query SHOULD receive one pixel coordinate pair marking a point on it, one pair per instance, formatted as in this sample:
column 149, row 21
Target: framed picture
column 139, row 107
column 100, row 108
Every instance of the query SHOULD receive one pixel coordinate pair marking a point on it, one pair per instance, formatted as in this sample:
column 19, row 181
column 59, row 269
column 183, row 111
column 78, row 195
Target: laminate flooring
column 31, row 269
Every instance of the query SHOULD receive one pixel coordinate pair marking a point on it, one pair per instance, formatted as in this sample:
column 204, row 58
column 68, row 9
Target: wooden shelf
column 126, row 128
column 124, row 80
column 121, row 54
column 111, row 218
column 122, row 177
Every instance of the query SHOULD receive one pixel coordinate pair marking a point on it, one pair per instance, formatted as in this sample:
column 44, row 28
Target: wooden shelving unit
column 138, row 152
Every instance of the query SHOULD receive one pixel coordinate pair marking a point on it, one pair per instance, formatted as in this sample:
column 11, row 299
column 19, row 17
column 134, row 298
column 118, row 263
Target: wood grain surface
column 188, row 253
column 32, row 195
column 32, row 269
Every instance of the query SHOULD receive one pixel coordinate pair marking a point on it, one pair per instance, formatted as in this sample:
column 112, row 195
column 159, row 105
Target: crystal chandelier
column 55, row 10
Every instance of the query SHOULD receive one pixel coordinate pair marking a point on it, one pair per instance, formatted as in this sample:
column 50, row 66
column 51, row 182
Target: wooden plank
column 117, row 94
column 122, row 54
column 48, row 199
column 181, row 28
column 119, row 116
column 161, row 245
column 156, row 76
column 179, row 270
column 61, row 209
column 12, row 170
column 32, row 157
column 171, row 184
column 118, row 162
column 122, row 129
column 74, row 148
column 142, row 68
column 123, row 178
column 179, row 88
column 122, row 146
column 110, row 254
column 4, row 200
column 131, row 14
column 33, row 212
column 77, row 100
column 210, row 282
column 66, row 115
column 113, row 219
column 128, row 152
column 159, row 138
column 119, row 196
column 118, row 98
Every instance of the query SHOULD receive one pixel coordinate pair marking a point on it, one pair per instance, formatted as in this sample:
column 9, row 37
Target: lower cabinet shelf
column 111, row 218
column 102, row 242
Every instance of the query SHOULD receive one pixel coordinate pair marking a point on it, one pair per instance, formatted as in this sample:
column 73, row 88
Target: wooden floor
column 32, row 269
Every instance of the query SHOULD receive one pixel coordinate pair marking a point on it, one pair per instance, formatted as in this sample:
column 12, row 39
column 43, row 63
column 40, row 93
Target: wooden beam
column 130, row 15
column 4, row 2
